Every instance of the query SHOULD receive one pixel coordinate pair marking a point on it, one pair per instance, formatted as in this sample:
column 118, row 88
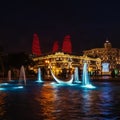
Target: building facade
column 60, row 62
column 110, row 57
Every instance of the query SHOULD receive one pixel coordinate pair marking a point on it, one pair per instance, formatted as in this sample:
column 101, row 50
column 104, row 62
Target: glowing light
column 36, row 45
column 18, row 87
column 105, row 67
column 47, row 61
column 39, row 76
column 85, row 78
column 4, row 84
column 3, row 89
column 67, row 46
column 10, row 88
column 62, row 82
column 55, row 47
column 88, row 86
column 76, row 76
column 54, row 84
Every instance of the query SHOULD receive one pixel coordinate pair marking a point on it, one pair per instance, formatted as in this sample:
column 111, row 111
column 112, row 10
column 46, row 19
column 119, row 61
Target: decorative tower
column 55, row 47
column 67, row 46
column 107, row 44
column 36, row 45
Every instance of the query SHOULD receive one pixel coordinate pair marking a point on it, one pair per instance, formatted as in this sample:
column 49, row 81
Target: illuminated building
column 60, row 61
column 110, row 57
column 64, row 61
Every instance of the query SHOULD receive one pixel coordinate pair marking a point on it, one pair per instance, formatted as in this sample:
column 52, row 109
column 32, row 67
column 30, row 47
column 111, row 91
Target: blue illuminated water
column 62, row 81
column 10, row 86
column 85, row 77
column 76, row 76
column 39, row 76
column 63, row 102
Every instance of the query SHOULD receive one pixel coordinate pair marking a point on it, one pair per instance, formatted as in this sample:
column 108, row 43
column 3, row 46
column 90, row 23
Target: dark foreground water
column 50, row 102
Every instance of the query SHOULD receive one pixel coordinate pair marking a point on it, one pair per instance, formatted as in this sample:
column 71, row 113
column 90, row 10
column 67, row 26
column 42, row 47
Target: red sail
column 36, row 45
column 67, row 46
column 55, row 47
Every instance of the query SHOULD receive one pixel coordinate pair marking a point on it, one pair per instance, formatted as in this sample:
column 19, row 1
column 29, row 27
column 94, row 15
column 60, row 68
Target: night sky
column 88, row 23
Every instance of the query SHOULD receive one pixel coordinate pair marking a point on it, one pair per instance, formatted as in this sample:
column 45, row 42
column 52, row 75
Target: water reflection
column 71, row 102
column 46, row 99
column 2, row 104
column 108, row 100
column 101, row 103
column 49, row 102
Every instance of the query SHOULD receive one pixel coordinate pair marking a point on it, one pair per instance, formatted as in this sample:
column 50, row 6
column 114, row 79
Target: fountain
column 76, row 76
column 39, row 76
column 85, row 78
column 9, row 79
column 61, row 81
column 22, row 75
column 12, row 86
column 9, row 75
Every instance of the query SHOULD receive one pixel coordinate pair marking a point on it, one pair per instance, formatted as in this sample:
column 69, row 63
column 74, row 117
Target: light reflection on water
column 47, row 102
column 2, row 104
column 46, row 99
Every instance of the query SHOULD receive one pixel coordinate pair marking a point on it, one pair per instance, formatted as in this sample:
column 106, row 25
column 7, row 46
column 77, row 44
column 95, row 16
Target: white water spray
column 22, row 76
column 39, row 76
column 76, row 76
column 85, row 78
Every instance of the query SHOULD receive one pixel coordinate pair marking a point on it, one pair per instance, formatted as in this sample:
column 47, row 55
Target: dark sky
column 89, row 24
